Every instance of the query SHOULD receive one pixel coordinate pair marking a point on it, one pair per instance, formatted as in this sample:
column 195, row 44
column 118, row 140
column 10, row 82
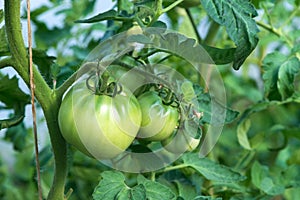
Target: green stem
column 212, row 32
column 47, row 99
column 193, row 24
column 276, row 32
column 170, row 7
column 269, row 28
column 291, row 17
column 170, row 168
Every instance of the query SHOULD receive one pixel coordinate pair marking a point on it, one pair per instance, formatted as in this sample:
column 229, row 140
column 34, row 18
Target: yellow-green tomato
column 180, row 142
column 100, row 126
column 158, row 120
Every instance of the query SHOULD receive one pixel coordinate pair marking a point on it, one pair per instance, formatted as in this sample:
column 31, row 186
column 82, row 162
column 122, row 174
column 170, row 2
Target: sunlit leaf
column 242, row 130
column 155, row 190
column 279, row 74
column 210, row 170
column 237, row 17
column 113, row 186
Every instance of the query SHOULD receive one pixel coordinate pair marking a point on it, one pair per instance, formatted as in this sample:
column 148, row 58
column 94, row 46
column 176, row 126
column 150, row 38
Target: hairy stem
column 47, row 99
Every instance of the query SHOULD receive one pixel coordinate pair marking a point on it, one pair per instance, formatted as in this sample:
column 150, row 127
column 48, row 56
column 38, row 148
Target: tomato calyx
column 100, row 85
column 168, row 97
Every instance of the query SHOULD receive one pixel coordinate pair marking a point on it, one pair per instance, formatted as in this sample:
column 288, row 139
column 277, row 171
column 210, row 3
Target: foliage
column 254, row 45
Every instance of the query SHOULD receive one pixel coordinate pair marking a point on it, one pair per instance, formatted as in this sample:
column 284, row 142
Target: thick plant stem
column 45, row 96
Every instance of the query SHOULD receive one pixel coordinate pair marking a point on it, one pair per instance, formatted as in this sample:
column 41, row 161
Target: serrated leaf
column 188, row 49
column 279, row 75
column 110, row 186
column 44, row 63
column 113, row 187
column 108, row 15
column 13, row 98
column 210, row 170
column 237, row 17
column 136, row 193
column 242, row 131
column 155, row 190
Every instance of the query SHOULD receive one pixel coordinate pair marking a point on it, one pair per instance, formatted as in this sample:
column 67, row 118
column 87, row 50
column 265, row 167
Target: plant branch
column 170, row 7
column 212, row 32
column 170, row 168
column 276, row 32
column 45, row 96
column 269, row 28
column 193, row 24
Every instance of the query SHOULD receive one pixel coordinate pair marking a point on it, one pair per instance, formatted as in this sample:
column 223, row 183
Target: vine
column 47, row 98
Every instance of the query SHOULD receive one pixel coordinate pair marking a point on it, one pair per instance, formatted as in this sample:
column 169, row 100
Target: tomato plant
column 231, row 130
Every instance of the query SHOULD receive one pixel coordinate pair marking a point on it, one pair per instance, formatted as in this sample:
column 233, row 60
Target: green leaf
column 1, row 15
column 110, row 186
column 279, row 75
column 4, row 49
column 220, row 56
column 108, row 15
column 136, row 193
column 261, row 179
column 155, row 190
column 17, row 135
column 187, row 48
column 210, row 170
column 237, row 17
column 286, row 77
column 13, row 98
column 217, row 116
column 242, row 130
column 185, row 191
column 140, row 38
column 44, row 63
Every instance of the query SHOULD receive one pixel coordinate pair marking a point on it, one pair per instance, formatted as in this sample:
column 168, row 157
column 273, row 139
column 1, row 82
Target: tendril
column 100, row 86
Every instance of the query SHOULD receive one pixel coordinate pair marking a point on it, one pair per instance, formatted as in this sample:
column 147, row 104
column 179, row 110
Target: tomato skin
column 158, row 120
column 99, row 125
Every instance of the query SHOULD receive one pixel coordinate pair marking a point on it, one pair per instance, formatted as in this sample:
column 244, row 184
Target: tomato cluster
column 103, row 123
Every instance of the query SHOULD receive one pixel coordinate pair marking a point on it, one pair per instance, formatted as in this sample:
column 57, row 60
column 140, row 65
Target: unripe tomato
column 100, row 126
column 158, row 120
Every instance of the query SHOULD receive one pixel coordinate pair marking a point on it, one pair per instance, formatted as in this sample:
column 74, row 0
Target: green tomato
column 158, row 120
column 99, row 125
column 180, row 142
